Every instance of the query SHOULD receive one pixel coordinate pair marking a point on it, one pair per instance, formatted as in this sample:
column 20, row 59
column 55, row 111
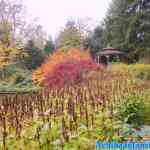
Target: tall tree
column 95, row 41
column 15, row 28
column 11, row 14
column 127, row 26
column 138, row 33
column 49, row 46
column 35, row 56
column 69, row 37
column 116, row 23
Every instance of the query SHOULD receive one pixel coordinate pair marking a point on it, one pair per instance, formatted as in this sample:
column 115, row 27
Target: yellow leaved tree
column 9, row 56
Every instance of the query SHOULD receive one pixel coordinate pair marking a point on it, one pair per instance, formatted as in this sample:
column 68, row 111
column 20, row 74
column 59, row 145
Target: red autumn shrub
column 63, row 69
column 69, row 73
column 59, row 57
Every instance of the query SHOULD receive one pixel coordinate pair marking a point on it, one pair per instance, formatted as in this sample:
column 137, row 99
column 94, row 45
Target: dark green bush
column 17, row 78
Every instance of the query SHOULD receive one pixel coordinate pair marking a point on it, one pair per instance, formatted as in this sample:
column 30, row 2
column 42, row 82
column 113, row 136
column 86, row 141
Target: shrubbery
column 16, row 79
column 65, row 68
column 134, row 109
column 141, row 71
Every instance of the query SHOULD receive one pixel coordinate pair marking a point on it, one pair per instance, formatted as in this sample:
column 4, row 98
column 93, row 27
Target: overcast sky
column 52, row 14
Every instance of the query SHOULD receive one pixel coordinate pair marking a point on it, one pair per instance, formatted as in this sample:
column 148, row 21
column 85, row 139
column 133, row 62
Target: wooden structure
column 108, row 55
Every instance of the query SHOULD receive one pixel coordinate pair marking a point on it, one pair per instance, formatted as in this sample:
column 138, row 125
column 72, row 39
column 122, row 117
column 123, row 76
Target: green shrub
column 147, row 108
column 17, row 78
column 29, row 87
column 134, row 109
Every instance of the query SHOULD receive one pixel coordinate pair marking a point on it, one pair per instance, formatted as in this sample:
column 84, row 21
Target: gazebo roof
column 110, row 48
column 110, row 52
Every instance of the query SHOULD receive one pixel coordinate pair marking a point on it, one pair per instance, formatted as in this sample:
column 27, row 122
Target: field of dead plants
column 106, row 106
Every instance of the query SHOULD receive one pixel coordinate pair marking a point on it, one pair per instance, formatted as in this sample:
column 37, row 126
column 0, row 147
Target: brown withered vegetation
column 72, row 105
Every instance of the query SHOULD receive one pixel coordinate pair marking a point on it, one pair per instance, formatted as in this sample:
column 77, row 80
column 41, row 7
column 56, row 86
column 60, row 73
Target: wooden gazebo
column 108, row 55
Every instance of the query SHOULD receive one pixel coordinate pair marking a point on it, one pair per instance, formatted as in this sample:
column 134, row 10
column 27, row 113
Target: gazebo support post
column 107, row 57
column 98, row 59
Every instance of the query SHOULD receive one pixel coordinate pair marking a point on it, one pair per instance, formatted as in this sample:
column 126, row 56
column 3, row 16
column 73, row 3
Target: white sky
column 52, row 14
